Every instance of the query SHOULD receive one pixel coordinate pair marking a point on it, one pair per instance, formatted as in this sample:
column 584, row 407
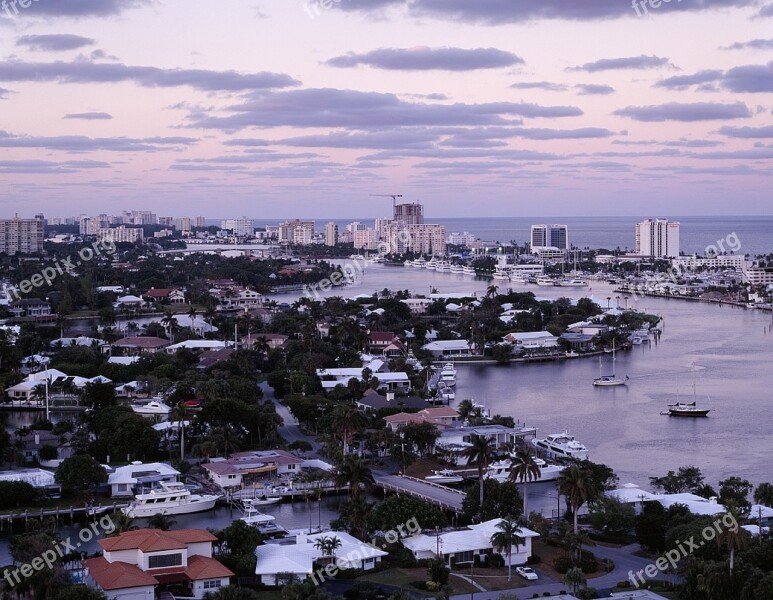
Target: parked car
column 527, row 573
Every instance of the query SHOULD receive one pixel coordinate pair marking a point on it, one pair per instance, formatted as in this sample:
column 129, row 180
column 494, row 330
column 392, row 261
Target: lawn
column 491, row 579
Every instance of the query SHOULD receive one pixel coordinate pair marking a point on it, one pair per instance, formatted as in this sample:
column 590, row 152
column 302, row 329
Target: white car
column 527, row 573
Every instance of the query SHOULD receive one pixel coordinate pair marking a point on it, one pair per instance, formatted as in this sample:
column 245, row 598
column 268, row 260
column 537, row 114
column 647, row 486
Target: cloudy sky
column 304, row 108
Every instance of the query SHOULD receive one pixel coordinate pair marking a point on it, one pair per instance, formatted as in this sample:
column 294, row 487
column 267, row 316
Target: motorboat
column 446, row 393
column 170, row 498
column 561, row 446
column 468, row 270
column 408, row 263
column 517, row 278
column 480, row 409
column 443, row 267
column 154, row 408
column 684, row 409
column 545, row 281
column 457, row 269
column 419, row 263
column 262, row 522
column 444, row 476
column 573, row 283
column 499, row 471
column 448, row 375
column 609, row 380
column 502, row 472
column 501, row 275
column 192, row 406
column 571, row 354
column 263, row 500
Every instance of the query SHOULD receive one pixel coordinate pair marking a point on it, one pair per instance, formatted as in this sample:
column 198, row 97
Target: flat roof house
column 133, row 346
column 137, row 564
column 245, row 467
column 448, row 348
column 139, row 478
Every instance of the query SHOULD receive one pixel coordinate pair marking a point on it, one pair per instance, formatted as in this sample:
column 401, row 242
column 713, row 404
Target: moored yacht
column 500, row 275
column 457, row 269
column 683, row 409
column 545, row 281
column 448, row 375
column 419, row 263
column 561, row 446
column 573, row 283
column 171, row 498
column 444, row 476
column 502, row 471
column 468, row 270
column 154, row 408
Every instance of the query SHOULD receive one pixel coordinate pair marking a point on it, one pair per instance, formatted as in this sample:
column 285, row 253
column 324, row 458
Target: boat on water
column 502, row 471
column 468, row 270
column 419, row 263
column 684, row 409
column 573, row 283
column 171, row 498
column 444, row 476
column 446, row 393
column 545, row 281
column 443, row 267
column 571, row 354
column 501, row 275
column 518, row 279
column 609, row 380
column 448, row 375
column 561, row 446
column 457, row 269
column 263, row 500
column 262, row 522
column 153, row 408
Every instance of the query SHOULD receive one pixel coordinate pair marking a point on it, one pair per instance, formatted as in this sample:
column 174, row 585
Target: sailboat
column 685, row 409
column 609, row 380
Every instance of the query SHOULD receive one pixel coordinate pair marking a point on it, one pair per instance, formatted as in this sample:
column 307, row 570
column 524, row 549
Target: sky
column 312, row 108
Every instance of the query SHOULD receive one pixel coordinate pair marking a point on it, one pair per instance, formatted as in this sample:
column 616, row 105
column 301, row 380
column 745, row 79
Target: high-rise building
column 550, row 236
column 657, row 238
column 296, row 232
column 200, row 222
column 243, row 226
column 120, row 234
column 166, row 221
column 422, row 238
column 331, row 234
column 365, row 239
column 140, row 217
column 183, row 224
column 21, row 235
column 410, row 214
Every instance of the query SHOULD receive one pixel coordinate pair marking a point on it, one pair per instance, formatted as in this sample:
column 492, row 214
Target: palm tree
column 192, row 312
column 575, row 484
column 169, row 322
column 733, row 538
column 525, row 469
column 204, row 450
column 491, row 291
column 328, row 545
column 356, row 474
column 161, row 521
column 575, row 578
column 121, row 524
column 479, row 453
column 347, row 420
column 504, row 540
column 178, row 415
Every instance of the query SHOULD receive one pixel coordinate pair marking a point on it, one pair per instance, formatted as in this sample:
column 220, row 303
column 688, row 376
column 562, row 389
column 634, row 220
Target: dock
column 58, row 513
column 433, row 493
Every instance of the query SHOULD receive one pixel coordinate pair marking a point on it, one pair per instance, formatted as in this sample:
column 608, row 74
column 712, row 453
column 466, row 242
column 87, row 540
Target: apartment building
column 21, row 236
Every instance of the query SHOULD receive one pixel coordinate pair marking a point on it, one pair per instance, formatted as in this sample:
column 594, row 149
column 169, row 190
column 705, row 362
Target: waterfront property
column 137, row 564
column 463, row 545
column 531, row 340
column 245, row 468
column 297, row 555
column 441, row 416
column 138, row 478
column 372, row 402
column 454, row 440
column 450, row 348
column 133, row 346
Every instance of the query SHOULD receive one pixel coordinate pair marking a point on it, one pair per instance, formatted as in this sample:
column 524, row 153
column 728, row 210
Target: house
column 30, row 308
column 632, row 494
column 454, row 440
column 198, row 345
column 214, row 357
column 390, row 382
column 129, row 302
column 579, row 341
column 31, row 444
column 418, row 306
column 276, row 560
column 26, row 391
column 531, row 340
column 378, row 340
column 138, row 478
column 372, row 402
column 165, row 295
column 394, row 350
column 134, row 346
column 587, row 328
column 463, row 545
column 244, row 468
column 637, row 595
column 38, row 478
column 236, row 298
column 273, row 340
column 449, row 348
column 441, row 416
column 135, row 565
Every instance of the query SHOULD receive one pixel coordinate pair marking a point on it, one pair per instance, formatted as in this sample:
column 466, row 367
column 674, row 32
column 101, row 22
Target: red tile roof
column 202, row 567
column 155, row 540
column 117, row 575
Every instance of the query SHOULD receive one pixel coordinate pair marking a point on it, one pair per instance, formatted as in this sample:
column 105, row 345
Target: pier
column 62, row 513
column 439, row 495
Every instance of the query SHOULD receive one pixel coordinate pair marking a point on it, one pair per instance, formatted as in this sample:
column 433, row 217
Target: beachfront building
column 461, row 546
column 137, row 565
column 280, row 558
column 657, row 238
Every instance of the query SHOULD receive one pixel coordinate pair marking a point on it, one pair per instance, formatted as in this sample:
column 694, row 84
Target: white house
column 697, row 505
column 38, row 478
column 246, row 467
column 464, row 544
column 198, row 345
column 139, row 478
column 137, row 564
column 298, row 558
column 530, row 340
column 448, row 348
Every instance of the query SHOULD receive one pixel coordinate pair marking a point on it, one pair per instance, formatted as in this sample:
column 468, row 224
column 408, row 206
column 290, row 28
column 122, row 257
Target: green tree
column 77, row 592
column 479, row 453
column 328, row 545
column 574, row 578
column 396, row 510
column 80, row 473
column 686, row 479
column 575, row 484
column 612, row 517
column 98, row 396
column 524, row 469
column 509, row 535
column 764, row 494
column 735, row 490
column 500, row 500
column 161, row 521
column 733, row 538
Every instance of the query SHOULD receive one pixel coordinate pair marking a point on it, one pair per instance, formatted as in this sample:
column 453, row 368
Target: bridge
column 439, row 495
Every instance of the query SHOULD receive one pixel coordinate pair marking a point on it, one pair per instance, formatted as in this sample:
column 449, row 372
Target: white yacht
column 517, row 279
column 171, row 498
column 154, row 408
column 545, row 281
column 443, row 267
column 561, row 445
column 263, row 500
column 419, row 263
column 502, row 469
column 501, row 275
column 448, row 375
column 444, row 476
column 609, row 380
column 468, row 270
column 262, row 522
column 573, row 283
column 457, row 269
column 446, row 393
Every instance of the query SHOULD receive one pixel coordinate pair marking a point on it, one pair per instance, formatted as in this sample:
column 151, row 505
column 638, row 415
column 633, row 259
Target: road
column 289, row 430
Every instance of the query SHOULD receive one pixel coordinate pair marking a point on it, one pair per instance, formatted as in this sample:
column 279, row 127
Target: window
column 165, row 560
column 213, row 583
column 464, row 557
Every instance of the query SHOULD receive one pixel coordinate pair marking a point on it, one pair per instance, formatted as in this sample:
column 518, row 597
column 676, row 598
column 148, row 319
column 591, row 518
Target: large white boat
column 443, row 267
column 262, row 522
column 171, row 498
column 446, row 393
column 263, row 500
column 501, row 275
column 561, row 446
column 152, row 409
column 448, row 375
column 573, row 283
column 419, row 263
column 545, row 281
column 517, row 278
column 609, row 380
column 501, row 471
column 444, row 476
column 468, row 270
column 457, row 269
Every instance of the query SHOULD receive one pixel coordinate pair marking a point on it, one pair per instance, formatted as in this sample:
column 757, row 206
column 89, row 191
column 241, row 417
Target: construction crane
column 394, row 197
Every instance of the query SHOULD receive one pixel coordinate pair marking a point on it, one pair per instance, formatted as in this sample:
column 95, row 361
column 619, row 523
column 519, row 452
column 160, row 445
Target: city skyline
column 279, row 110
